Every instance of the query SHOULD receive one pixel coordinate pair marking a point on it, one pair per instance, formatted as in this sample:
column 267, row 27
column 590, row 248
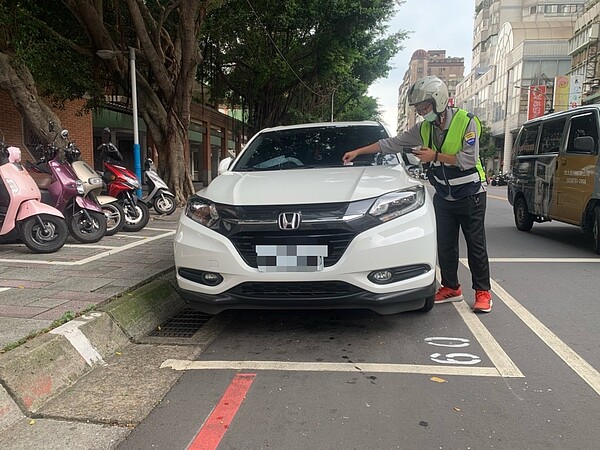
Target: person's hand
column 425, row 154
column 349, row 156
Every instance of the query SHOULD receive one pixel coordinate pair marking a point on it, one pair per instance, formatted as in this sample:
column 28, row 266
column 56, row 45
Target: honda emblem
column 289, row 221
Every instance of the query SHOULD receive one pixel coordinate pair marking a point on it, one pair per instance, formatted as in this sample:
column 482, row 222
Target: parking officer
column 448, row 139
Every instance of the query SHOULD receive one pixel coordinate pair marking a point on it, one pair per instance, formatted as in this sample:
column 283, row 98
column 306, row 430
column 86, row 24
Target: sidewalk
column 39, row 292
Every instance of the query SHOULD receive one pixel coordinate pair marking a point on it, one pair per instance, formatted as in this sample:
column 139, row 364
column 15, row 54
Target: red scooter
column 122, row 184
column 23, row 216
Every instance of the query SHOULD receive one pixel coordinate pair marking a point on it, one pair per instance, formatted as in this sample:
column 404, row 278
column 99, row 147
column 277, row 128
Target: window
column 551, row 137
column 527, row 139
column 581, row 126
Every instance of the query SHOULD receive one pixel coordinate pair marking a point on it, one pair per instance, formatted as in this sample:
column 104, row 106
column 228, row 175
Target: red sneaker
column 446, row 294
column 483, row 301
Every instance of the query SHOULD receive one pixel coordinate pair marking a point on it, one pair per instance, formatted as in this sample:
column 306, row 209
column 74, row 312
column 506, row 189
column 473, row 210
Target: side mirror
column 224, row 165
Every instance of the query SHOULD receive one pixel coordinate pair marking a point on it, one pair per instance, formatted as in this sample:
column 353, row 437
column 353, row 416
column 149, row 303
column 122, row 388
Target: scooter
column 62, row 188
column 92, row 186
column 23, row 216
column 122, row 184
column 159, row 195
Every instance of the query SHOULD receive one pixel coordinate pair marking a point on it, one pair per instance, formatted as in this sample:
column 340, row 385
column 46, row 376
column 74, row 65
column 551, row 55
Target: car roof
column 576, row 110
column 363, row 123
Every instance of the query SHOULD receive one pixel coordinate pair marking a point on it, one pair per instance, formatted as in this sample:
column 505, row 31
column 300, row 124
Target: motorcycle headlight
column 202, row 211
column 132, row 181
column 399, row 203
column 80, row 188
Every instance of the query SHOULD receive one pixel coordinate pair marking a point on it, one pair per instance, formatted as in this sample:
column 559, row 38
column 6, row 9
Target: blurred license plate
column 290, row 258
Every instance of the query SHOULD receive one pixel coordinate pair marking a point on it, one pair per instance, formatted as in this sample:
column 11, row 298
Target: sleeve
column 468, row 157
column 410, row 138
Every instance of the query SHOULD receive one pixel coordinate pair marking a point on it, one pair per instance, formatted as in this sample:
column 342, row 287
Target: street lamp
column 137, row 160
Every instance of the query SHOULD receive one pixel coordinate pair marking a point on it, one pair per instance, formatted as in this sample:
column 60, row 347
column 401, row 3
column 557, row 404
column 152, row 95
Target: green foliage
column 287, row 60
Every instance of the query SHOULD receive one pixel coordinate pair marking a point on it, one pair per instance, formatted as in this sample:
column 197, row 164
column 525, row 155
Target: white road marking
column 180, row 364
column 4, row 289
column 542, row 260
column 112, row 251
column 79, row 341
column 497, row 355
column 581, row 367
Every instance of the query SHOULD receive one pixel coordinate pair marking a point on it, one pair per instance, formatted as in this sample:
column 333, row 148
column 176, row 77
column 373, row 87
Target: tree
column 287, row 60
column 487, row 148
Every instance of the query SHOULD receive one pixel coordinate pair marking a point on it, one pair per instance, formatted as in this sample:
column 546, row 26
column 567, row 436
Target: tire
column 523, row 219
column 429, row 301
column 84, row 230
column 165, row 204
column 47, row 239
column 596, row 229
column 115, row 217
column 136, row 217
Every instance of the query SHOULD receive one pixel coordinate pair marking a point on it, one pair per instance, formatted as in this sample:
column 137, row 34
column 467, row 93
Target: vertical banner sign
column 537, row 102
column 562, row 84
column 575, row 91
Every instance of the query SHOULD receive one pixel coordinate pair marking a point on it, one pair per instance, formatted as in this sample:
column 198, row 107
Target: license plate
column 290, row 258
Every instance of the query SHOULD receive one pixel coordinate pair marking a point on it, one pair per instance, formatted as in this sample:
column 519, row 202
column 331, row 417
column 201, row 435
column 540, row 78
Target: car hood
column 300, row 186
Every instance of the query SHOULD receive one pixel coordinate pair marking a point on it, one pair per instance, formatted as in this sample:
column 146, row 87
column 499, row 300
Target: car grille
column 322, row 224
column 323, row 289
column 336, row 241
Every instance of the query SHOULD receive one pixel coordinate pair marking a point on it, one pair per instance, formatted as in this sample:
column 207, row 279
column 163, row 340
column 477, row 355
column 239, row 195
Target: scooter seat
column 43, row 180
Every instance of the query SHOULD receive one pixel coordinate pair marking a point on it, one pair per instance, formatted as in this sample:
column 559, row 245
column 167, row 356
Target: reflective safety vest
column 451, row 181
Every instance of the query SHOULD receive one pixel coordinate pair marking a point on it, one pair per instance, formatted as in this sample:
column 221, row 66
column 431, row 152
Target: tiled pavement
column 37, row 289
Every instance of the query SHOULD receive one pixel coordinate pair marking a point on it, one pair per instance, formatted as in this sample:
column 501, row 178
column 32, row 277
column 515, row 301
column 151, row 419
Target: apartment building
column 422, row 63
column 518, row 46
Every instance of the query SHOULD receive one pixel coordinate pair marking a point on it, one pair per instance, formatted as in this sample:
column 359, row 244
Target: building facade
column 424, row 63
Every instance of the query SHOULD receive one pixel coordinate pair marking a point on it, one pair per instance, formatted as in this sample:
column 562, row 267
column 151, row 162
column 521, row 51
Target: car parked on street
column 286, row 225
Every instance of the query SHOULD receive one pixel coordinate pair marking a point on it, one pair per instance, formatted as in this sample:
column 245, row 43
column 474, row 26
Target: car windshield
column 321, row 146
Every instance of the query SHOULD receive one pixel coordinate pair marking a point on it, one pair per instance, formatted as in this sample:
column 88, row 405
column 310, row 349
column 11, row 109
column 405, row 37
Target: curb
column 45, row 366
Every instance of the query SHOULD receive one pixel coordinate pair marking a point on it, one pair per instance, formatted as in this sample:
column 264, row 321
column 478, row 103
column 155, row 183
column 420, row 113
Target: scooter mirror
column 106, row 136
column 64, row 134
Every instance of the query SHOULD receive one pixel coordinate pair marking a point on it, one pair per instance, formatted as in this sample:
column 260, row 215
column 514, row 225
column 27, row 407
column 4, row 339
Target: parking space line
column 506, row 367
column 112, row 251
column 581, row 367
column 179, row 364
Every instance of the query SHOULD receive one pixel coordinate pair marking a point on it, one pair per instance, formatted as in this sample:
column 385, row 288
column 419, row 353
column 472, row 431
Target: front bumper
column 403, row 242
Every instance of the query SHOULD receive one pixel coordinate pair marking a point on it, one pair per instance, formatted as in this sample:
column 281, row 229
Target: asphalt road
column 523, row 377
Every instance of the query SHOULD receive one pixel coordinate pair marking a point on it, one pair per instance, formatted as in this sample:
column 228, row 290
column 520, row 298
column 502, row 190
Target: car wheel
column 429, row 301
column 596, row 229
column 523, row 219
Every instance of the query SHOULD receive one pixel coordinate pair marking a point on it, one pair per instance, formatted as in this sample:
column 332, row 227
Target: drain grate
column 184, row 324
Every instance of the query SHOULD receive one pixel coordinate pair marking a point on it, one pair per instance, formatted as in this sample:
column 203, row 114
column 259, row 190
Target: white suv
column 286, row 225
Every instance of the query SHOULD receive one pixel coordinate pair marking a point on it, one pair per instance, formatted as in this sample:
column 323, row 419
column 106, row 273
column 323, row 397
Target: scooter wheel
column 44, row 233
column 115, row 218
column 84, row 230
column 136, row 216
column 165, row 204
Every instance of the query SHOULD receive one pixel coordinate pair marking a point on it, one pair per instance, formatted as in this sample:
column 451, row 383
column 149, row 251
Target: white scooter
column 93, row 185
column 159, row 195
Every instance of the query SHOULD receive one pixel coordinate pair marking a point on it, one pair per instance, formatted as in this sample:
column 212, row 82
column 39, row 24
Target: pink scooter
column 23, row 216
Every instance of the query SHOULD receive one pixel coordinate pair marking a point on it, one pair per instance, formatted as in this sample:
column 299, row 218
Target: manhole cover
column 184, row 324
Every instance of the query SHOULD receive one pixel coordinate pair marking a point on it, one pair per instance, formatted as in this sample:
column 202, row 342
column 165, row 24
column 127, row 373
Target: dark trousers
column 467, row 214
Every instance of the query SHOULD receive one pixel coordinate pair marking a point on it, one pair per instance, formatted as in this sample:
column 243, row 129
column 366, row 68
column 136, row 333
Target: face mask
column 431, row 116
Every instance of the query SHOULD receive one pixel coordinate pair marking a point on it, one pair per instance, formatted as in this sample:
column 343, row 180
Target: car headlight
column 202, row 211
column 396, row 204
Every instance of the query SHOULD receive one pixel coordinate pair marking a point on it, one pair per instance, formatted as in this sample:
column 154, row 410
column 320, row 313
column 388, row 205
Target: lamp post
column 137, row 160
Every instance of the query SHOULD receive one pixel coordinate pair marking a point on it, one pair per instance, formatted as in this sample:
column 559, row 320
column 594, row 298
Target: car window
column 312, row 147
column 581, row 126
column 552, row 136
column 527, row 140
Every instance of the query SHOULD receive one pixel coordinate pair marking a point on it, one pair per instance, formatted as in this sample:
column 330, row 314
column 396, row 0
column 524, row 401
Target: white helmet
column 429, row 88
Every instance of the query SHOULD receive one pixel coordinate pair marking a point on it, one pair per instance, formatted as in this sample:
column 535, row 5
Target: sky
column 435, row 25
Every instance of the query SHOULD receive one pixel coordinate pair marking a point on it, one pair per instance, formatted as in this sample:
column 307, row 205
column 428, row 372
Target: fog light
column 382, row 276
column 211, row 279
